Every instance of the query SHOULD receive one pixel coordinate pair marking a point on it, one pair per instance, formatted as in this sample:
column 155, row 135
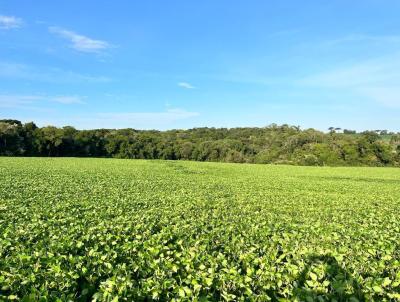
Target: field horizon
column 205, row 162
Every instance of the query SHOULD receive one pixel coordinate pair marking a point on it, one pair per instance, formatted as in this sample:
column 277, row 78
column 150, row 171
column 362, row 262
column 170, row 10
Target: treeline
column 273, row 144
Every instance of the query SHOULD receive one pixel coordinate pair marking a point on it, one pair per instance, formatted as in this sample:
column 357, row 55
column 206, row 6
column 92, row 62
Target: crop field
column 133, row 230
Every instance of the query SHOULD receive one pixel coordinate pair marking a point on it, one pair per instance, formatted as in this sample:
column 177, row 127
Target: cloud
column 186, row 85
column 362, row 38
column 68, row 100
column 51, row 75
column 118, row 120
column 377, row 72
column 27, row 101
column 79, row 42
column 168, row 116
column 111, row 120
column 375, row 79
column 10, row 22
column 355, row 75
column 17, row 101
column 388, row 96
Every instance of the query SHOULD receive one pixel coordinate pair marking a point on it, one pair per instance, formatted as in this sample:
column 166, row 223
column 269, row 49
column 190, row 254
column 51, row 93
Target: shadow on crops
column 355, row 179
column 342, row 286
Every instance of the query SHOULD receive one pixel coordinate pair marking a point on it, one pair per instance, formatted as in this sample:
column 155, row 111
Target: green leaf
column 313, row 276
column 377, row 289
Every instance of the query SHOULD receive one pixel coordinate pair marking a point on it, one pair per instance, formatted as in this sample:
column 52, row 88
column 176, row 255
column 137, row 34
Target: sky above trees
column 183, row 64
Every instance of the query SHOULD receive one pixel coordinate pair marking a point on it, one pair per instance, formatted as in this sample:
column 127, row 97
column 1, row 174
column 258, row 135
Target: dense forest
column 272, row 144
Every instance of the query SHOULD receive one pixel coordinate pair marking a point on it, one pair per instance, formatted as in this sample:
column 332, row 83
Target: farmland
column 135, row 230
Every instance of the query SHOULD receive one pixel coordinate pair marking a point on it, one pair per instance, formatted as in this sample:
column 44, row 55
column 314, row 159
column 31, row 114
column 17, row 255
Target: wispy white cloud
column 384, row 70
column 79, row 42
column 68, row 100
column 364, row 73
column 17, row 101
column 117, row 120
column 27, row 101
column 386, row 95
column 10, row 22
column 168, row 116
column 52, row 75
column 375, row 80
column 363, row 38
column 111, row 120
column 186, row 85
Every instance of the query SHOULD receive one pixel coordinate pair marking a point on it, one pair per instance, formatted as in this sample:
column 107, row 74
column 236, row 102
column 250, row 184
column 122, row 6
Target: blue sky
column 216, row 63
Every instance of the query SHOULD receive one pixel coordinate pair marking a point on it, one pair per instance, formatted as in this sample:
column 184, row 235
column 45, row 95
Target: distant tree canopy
column 272, row 144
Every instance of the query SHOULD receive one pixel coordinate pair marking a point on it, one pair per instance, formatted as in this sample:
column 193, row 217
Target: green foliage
column 122, row 230
column 272, row 144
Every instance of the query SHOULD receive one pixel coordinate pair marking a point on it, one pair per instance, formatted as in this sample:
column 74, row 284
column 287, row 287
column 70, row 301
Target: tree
column 185, row 150
column 49, row 140
column 10, row 140
column 29, row 138
column 370, row 136
column 271, row 144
